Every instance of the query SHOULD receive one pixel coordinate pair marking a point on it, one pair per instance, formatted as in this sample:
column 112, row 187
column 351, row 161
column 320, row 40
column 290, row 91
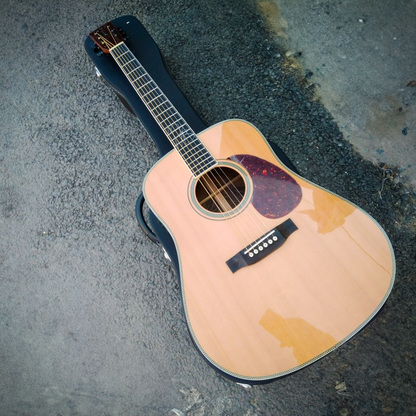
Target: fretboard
column 183, row 139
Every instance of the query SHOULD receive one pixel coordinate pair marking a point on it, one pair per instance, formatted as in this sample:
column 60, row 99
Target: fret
column 184, row 148
column 127, row 63
column 171, row 128
column 137, row 79
column 203, row 169
column 173, row 131
column 197, row 160
column 125, row 51
column 135, row 69
column 199, row 168
column 195, row 155
column 164, row 111
column 191, row 142
column 153, row 90
column 147, row 83
column 166, row 101
column 141, row 73
column 169, row 120
column 174, row 122
column 154, row 98
column 190, row 151
column 193, row 138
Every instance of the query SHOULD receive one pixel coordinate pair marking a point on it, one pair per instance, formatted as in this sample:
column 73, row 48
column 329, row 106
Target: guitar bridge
column 263, row 246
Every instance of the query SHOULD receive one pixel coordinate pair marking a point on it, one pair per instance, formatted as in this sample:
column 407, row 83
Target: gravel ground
column 90, row 311
column 361, row 55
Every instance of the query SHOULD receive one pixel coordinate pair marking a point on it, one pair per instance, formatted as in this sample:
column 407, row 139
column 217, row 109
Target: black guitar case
column 147, row 52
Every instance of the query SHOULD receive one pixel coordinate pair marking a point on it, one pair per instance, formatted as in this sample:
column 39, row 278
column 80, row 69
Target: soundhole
column 220, row 190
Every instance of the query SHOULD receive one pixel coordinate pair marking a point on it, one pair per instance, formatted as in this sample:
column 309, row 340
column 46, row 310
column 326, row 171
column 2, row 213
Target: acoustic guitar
column 275, row 271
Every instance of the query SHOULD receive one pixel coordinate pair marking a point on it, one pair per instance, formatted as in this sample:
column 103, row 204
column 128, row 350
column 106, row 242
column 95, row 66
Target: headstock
column 106, row 37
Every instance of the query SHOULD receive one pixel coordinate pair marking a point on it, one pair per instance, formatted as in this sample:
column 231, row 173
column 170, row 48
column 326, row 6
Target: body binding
column 294, row 306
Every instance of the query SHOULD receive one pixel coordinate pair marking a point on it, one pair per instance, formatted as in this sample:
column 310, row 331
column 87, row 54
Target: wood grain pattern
column 294, row 306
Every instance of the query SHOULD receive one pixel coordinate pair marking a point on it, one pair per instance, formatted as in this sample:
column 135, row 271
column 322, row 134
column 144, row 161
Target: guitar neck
column 195, row 155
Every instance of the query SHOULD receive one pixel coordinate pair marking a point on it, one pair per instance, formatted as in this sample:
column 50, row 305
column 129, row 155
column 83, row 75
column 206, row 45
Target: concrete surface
column 362, row 57
column 90, row 311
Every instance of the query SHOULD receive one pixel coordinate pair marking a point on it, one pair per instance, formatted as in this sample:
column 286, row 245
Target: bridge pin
column 274, row 238
column 265, row 245
column 260, row 248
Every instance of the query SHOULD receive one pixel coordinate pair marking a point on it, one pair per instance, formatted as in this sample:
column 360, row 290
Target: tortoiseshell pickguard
column 275, row 192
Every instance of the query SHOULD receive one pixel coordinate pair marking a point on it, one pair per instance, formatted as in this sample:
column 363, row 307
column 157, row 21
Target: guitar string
column 157, row 99
column 209, row 186
column 109, row 45
column 149, row 90
column 111, row 33
column 144, row 90
column 170, row 108
column 169, row 133
column 205, row 183
column 209, row 191
column 124, row 64
column 215, row 178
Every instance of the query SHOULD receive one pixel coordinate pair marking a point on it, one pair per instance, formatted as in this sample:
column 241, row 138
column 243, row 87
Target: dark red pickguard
column 275, row 192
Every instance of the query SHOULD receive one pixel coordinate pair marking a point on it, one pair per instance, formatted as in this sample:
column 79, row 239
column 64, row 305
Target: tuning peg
column 123, row 33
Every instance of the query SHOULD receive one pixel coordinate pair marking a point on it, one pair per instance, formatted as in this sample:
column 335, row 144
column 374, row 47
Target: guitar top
column 275, row 271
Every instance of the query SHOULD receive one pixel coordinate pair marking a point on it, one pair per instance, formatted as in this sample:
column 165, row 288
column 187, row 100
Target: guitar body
column 306, row 298
column 275, row 271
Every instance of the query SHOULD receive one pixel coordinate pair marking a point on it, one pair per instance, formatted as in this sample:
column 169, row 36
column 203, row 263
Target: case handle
column 142, row 222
